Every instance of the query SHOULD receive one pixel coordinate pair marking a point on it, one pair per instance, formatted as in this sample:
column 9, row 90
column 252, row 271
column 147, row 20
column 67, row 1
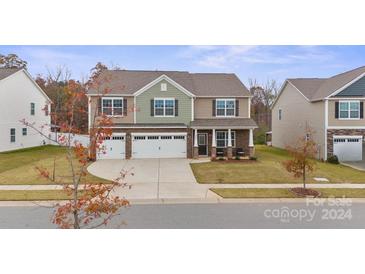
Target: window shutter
column 213, row 108
column 361, row 110
column 237, row 107
column 125, row 107
column 152, row 107
column 99, row 105
column 176, row 107
column 336, row 109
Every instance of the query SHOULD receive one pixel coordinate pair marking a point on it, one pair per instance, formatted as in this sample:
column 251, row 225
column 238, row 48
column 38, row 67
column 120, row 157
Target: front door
column 203, row 144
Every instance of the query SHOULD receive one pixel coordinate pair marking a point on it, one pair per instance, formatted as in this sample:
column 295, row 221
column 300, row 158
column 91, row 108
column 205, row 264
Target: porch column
column 214, row 144
column 196, row 149
column 229, row 146
column 251, row 146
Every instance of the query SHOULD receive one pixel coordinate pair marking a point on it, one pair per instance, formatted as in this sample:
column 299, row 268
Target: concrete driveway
column 153, row 178
column 359, row 165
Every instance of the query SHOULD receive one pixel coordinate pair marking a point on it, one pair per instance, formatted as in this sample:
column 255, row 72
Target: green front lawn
column 33, row 195
column 269, row 169
column 18, row 167
column 285, row 193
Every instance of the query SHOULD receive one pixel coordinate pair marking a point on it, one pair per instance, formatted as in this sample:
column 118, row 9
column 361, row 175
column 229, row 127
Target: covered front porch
column 227, row 138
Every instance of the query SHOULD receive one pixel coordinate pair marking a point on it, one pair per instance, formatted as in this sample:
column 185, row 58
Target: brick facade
column 332, row 132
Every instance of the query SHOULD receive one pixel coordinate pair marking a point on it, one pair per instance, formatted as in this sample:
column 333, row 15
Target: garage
column 113, row 147
column 159, row 145
column 348, row 148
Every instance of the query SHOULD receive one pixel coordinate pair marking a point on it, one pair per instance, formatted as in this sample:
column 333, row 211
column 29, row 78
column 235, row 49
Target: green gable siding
column 356, row 89
column 143, row 102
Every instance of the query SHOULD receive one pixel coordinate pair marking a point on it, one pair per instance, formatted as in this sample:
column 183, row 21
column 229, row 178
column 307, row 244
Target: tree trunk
column 304, row 177
column 76, row 220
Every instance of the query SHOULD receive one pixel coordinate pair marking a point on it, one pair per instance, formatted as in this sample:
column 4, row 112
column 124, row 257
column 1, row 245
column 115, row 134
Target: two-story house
column 21, row 98
column 173, row 114
column 331, row 107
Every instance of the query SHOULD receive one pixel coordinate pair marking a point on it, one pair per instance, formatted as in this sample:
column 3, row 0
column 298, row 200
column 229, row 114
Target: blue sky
column 260, row 62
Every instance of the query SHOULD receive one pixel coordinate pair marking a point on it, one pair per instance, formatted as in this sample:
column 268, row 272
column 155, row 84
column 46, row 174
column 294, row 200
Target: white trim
column 282, row 89
column 152, row 127
column 349, row 109
column 325, row 128
column 192, row 109
column 222, row 96
column 164, row 106
column 223, row 127
column 118, row 134
column 346, row 127
column 112, row 98
column 159, row 133
column 163, row 77
column 227, row 131
column 345, row 98
column 225, row 108
column 134, row 109
column 249, row 107
column 250, row 139
column 110, row 94
column 346, row 85
column 89, row 113
column 347, row 136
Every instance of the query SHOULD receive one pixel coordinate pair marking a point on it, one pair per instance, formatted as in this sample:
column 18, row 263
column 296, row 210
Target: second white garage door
column 158, row 145
column 347, row 148
column 112, row 147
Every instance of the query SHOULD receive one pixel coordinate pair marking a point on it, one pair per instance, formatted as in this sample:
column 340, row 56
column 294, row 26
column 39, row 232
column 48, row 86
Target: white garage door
column 348, row 148
column 159, row 145
column 113, row 148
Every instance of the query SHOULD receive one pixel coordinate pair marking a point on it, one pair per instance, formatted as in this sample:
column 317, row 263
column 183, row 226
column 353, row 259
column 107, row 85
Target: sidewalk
column 207, row 186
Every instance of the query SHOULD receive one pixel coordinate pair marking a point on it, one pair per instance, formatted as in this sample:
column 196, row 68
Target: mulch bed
column 305, row 192
column 234, row 161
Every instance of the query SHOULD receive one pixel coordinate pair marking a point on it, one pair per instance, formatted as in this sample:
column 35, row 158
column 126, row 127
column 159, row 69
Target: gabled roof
column 129, row 82
column 316, row 89
column 6, row 72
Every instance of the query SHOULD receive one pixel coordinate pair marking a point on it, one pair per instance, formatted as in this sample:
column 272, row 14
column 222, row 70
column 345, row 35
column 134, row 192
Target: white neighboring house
column 21, row 98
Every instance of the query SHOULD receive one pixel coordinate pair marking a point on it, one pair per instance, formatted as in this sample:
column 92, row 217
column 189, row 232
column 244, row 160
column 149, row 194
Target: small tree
column 303, row 153
column 91, row 205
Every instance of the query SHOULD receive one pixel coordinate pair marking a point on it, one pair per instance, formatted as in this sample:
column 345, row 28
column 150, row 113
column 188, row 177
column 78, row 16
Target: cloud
column 224, row 57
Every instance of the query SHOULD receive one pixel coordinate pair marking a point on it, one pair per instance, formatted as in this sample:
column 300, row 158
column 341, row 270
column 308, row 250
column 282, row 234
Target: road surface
column 240, row 215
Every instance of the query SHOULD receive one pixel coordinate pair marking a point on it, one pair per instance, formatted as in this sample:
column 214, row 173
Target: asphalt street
column 240, row 215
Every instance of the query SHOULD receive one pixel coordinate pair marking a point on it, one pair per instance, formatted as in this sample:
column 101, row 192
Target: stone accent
column 214, row 152
column 229, row 152
column 128, row 145
column 196, row 152
column 332, row 132
column 251, row 151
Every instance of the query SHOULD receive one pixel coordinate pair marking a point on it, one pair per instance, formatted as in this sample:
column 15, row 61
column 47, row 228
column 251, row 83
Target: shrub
column 221, row 158
column 237, row 157
column 253, row 158
column 333, row 159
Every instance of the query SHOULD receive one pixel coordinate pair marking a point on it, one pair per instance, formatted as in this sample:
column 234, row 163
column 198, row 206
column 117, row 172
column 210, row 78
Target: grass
column 269, row 169
column 18, row 167
column 33, row 195
column 285, row 193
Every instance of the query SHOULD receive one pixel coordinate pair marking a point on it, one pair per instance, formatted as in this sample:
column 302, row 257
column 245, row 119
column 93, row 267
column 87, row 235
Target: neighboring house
column 332, row 107
column 21, row 98
column 171, row 114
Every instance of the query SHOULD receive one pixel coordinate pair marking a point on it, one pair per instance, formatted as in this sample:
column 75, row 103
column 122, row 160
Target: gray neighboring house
column 173, row 114
column 332, row 107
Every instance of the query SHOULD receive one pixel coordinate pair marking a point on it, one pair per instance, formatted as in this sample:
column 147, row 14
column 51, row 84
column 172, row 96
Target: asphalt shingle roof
column 199, row 84
column 318, row 88
column 6, row 72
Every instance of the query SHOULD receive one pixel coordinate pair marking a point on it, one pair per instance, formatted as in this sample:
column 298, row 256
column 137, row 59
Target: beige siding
column 297, row 112
column 203, row 108
column 332, row 121
column 124, row 119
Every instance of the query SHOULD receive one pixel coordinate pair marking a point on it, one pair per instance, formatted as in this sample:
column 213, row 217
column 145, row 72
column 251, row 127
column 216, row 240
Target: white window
column 112, row 106
column 222, row 138
column 24, row 131
column 12, row 135
column 349, row 110
column 280, row 113
column 163, row 87
column 32, row 109
column 164, row 107
column 225, row 107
